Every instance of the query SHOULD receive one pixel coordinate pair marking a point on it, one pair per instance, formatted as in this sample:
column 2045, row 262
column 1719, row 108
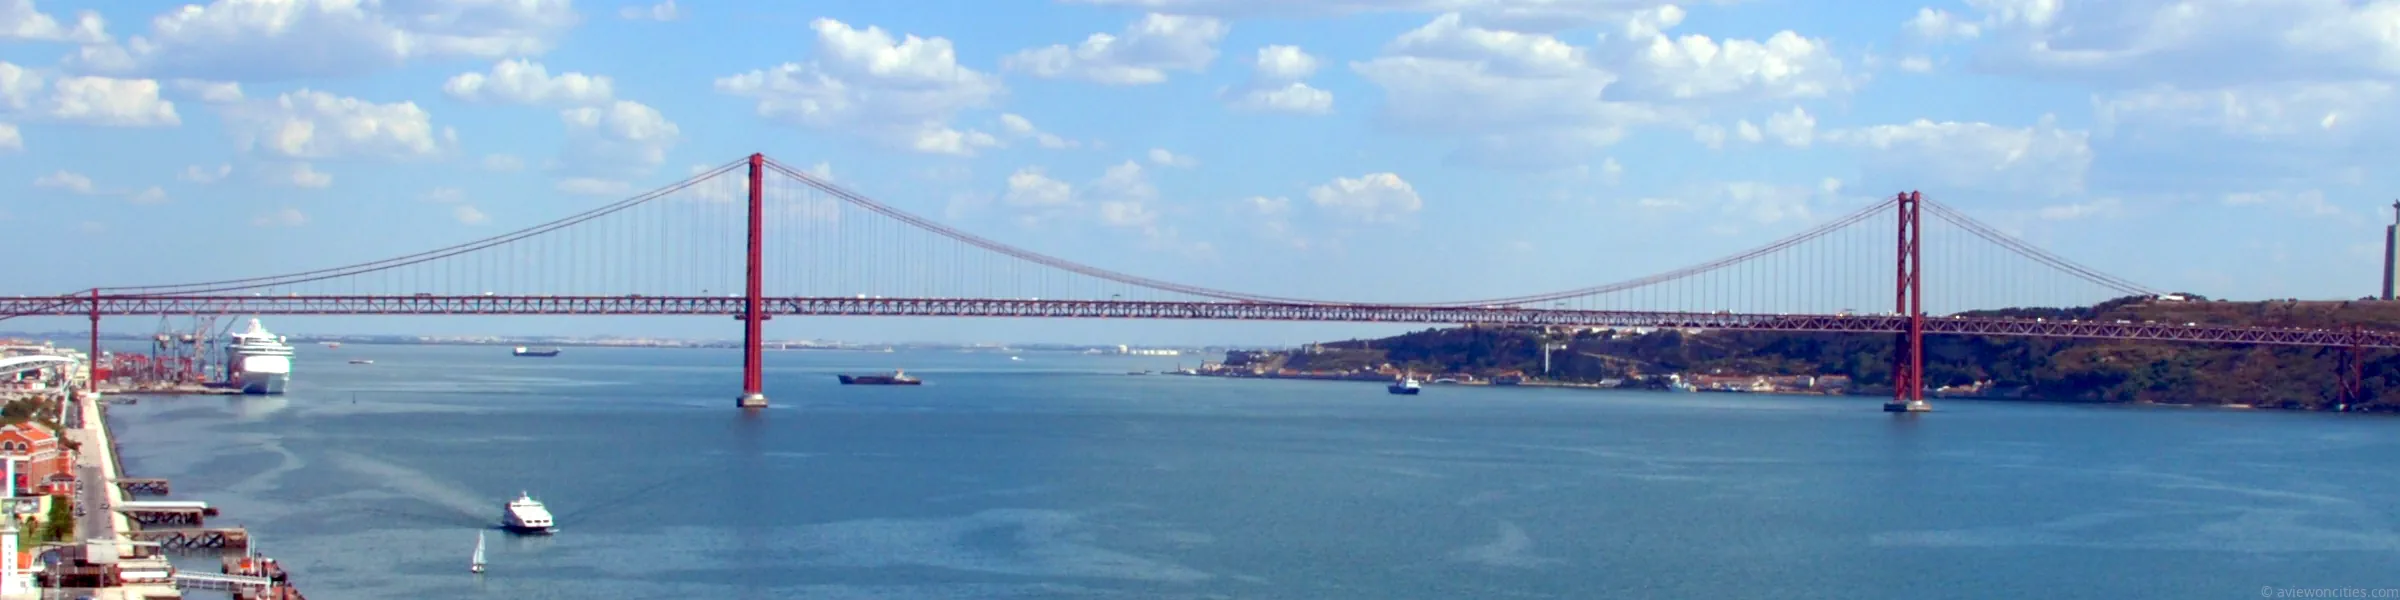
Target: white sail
column 478, row 566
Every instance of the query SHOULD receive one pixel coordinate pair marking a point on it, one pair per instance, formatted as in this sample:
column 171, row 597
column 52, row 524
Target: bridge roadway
column 1138, row 309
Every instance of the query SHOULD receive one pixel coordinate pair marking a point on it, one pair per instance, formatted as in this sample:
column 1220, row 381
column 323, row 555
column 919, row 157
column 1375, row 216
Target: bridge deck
column 1239, row 311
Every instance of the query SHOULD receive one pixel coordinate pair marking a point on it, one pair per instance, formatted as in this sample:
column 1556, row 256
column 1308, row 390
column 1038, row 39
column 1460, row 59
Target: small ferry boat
column 362, row 361
column 896, row 378
column 535, row 352
column 525, row 515
column 1405, row 387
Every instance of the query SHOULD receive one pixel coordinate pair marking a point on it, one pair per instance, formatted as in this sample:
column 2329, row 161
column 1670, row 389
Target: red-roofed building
column 34, row 454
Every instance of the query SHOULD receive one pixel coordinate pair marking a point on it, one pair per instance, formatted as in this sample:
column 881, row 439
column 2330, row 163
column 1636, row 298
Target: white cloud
column 152, row 195
column 310, row 124
column 1029, row 187
column 2211, row 95
column 1294, row 97
column 84, row 100
column 211, row 92
column 2039, row 159
column 1939, row 25
column 2310, row 202
column 1916, row 64
column 1510, row 98
column 1019, row 126
column 446, row 195
column 590, row 186
column 1514, row 15
column 1125, row 197
column 113, row 102
column 1795, row 128
column 1285, row 63
column 1376, row 197
column 10, row 138
column 1122, row 197
column 468, row 215
column 2327, row 110
column 623, row 135
column 503, row 163
column 1160, row 156
column 1270, row 207
column 1765, row 203
column 2189, row 43
column 197, row 174
column 1659, row 66
column 271, row 40
column 298, row 174
column 19, row 87
column 902, row 93
column 1611, row 172
column 518, row 81
column 1529, row 99
column 2102, row 207
column 663, row 11
column 1275, row 84
column 288, row 217
column 1709, row 134
column 66, row 180
column 20, row 20
column 1142, row 55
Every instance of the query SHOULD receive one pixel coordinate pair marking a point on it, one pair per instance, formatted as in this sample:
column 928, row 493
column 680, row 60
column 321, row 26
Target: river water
column 1059, row 476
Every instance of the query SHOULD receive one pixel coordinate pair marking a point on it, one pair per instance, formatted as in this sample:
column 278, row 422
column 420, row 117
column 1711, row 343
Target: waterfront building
column 34, row 458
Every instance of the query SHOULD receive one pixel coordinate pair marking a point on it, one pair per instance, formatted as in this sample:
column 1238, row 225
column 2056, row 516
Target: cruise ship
column 258, row 361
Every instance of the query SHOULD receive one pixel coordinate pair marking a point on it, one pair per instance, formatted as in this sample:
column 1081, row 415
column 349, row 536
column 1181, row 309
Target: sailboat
column 478, row 565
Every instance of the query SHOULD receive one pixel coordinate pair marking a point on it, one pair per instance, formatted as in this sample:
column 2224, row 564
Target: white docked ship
column 525, row 515
column 258, row 361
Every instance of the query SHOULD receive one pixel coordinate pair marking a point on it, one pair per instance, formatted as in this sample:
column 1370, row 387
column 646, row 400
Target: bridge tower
column 1908, row 355
column 753, row 315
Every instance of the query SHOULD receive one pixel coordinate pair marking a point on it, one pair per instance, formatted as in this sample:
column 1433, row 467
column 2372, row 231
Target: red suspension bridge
column 794, row 244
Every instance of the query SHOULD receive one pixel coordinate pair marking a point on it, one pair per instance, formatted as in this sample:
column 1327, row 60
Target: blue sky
column 1371, row 149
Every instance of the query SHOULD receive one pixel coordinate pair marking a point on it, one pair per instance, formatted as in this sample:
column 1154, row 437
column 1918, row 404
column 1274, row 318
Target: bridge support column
column 91, row 365
column 1908, row 355
column 754, row 315
column 2350, row 389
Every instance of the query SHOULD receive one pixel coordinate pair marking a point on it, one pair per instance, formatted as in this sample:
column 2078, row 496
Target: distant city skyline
column 1357, row 150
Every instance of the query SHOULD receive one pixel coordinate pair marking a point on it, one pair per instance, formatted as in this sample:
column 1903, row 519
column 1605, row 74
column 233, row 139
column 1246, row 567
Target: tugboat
column 525, row 515
column 1405, row 387
column 896, row 378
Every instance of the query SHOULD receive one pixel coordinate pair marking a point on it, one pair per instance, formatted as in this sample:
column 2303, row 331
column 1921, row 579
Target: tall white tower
column 13, row 584
column 2391, row 253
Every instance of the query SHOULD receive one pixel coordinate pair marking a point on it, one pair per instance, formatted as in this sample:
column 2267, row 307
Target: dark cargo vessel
column 896, row 378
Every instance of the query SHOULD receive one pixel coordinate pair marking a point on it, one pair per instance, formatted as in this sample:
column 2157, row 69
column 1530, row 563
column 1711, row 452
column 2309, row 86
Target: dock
column 194, row 538
column 179, row 389
column 179, row 513
column 123, row 556
column 135, row 486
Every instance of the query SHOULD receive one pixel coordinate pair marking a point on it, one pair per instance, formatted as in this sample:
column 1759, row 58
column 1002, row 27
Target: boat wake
column 416, row 484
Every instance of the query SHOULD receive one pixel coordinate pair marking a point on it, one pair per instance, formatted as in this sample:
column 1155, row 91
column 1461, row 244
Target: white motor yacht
column 525, row 515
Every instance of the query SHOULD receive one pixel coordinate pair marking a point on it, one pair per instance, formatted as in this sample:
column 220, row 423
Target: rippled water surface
column 1061, row 476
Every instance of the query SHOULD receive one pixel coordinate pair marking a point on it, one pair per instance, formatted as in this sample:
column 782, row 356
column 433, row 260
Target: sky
column 1385, row 149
